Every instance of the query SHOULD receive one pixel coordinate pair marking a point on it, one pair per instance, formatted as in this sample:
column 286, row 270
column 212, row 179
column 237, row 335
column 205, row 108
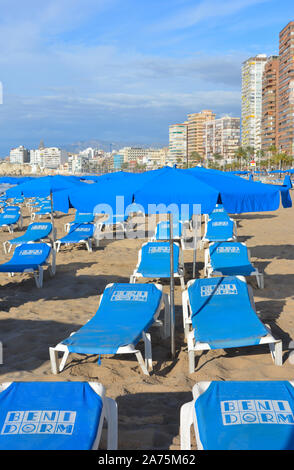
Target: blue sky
column 124, row 70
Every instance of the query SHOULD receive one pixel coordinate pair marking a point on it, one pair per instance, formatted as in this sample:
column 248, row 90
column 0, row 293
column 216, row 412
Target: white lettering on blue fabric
column 250, row 411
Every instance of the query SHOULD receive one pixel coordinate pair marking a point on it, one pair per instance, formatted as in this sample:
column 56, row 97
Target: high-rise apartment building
column 19, row 155
column 286, row 89
column 270, row 104
column 252, row 71
column 222, row 137
column 195, row 131
column 177, row 150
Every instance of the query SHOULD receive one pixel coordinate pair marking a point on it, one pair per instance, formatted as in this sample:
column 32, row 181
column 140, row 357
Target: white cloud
column 205, row 10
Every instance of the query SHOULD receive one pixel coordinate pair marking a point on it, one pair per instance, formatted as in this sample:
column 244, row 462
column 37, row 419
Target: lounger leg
column 260, row 280
column 57, row 367
column 186, row 421
column 148, row 350
column 191, row 355
column 4, row 246
column 89, row 245
column 182, row 280
column 132, row 279
column 53, row 354
column 39, row 277
column 111, row 416
column 141, row 362
column 276, row 350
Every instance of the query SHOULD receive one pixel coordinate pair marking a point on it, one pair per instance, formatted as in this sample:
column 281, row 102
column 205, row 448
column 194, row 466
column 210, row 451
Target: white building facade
column 177, row 150
column 222, row 137
column 19, row 155
column 252, row 72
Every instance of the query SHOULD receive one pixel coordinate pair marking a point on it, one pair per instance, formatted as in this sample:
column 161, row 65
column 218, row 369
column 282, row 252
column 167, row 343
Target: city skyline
column 119, row 71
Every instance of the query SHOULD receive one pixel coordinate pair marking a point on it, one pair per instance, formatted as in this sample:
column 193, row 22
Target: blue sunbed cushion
column 125, row 311
column 27, row 256
column 78, row 232
column 246, row 416
column 84, row 217
column 35, row 231
column 44, row 210
column 219, row 213
column 220, row 230
column 222, row 314
column 230, row 258
column 49, row 416
column 9, row 218
column 9, row 209
column 155, row 259
column 163, row 230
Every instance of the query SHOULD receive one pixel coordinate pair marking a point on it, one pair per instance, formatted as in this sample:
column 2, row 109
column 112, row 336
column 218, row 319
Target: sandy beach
column 148, row 407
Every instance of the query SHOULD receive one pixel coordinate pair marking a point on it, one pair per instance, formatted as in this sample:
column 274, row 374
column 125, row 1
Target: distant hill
column 106, row 146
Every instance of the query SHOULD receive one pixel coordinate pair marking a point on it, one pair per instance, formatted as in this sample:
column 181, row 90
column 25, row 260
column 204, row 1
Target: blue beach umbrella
column 239, row 195
column 43, row 186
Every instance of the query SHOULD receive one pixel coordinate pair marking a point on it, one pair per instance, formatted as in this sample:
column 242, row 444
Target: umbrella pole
column 52, row 218
column 172, row 302
column 195, row 246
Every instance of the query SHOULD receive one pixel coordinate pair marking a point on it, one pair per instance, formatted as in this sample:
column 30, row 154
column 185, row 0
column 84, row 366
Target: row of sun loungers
column 70, row 415
column 218, row 313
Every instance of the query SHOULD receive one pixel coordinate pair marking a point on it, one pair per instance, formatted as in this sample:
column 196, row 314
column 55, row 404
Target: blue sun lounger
column 56, row 416
column 114, row 220
column 35, row 232
column 18, row 200
column 80, row 218
column 218, row 213
column 222, row 230
column 78, row 233
column 162, row 231
column 31, row 258
column 44, row 210
column 125, row 314
column 222, row 315
column 12, row 209
column 11, row 218
column 154, row 262
column 239, row 415
column 230, row 259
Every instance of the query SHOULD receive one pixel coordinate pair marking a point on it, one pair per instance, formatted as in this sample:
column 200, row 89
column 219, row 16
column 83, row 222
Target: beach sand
column 148, row 407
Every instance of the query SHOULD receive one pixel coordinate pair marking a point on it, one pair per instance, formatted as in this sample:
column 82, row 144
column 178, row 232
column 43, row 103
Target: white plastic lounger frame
column 209, row 272
column 10, row 245
column 102, row 225
column 188, row 418
column 204, row 239
column 34, row 214
column 179, row 275
column 11, row 227
column 88, row 242
column 146, row 365
column 39, row 274
column 108, row 413
column 275, row 345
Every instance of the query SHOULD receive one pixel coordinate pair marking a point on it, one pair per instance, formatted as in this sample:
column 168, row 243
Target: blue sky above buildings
column 123, row 70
